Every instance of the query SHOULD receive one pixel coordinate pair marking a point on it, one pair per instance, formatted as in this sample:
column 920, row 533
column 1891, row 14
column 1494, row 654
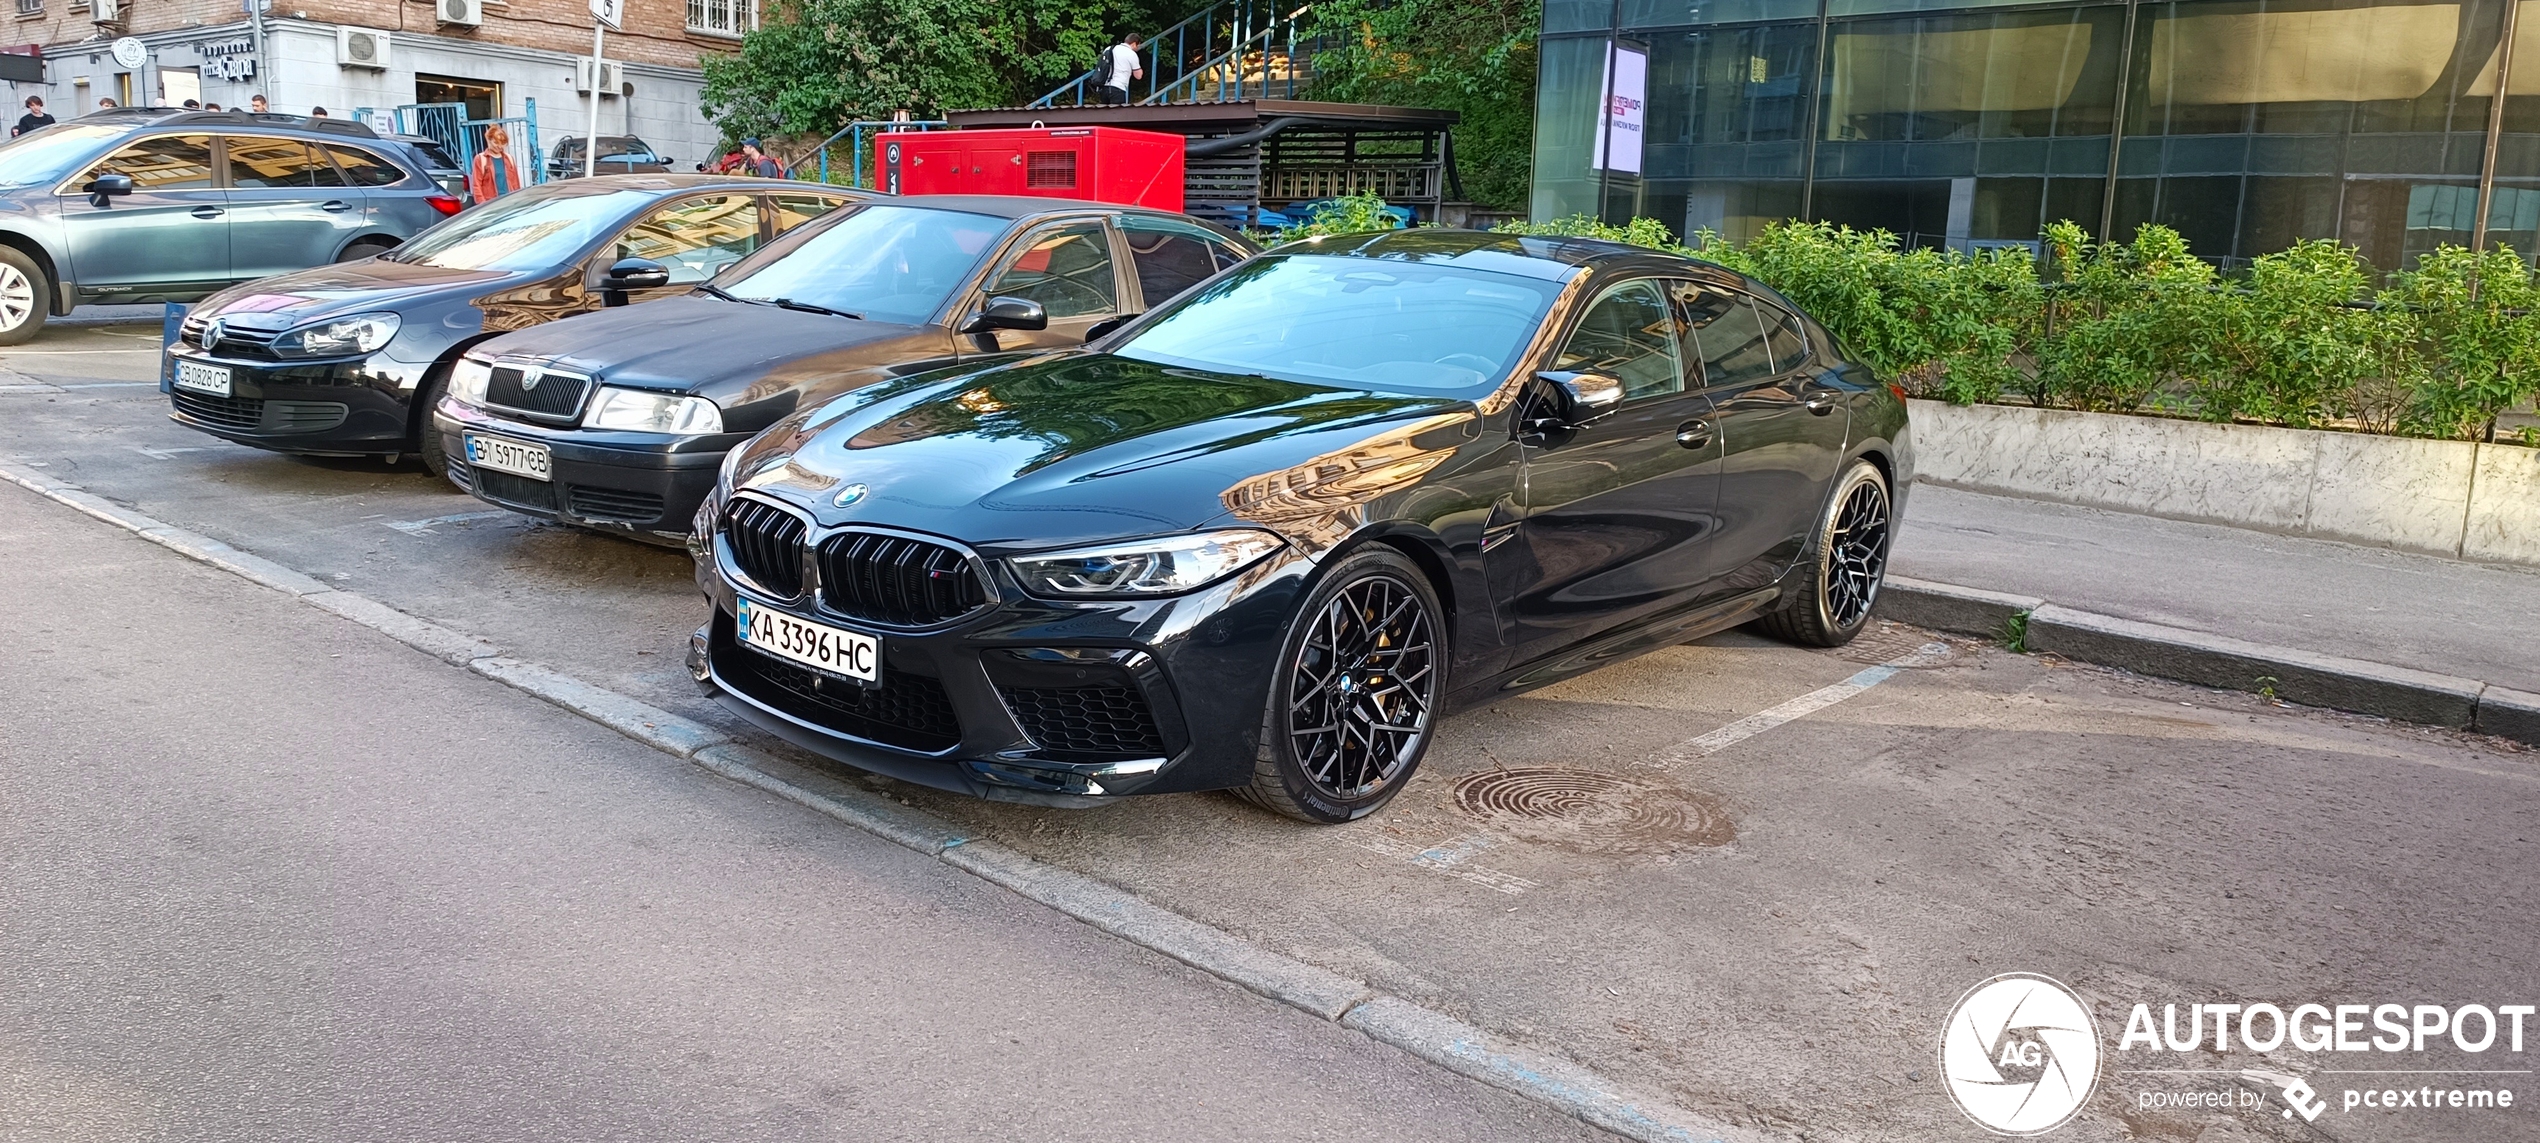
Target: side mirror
column 631, row 274
column 1103, row 328
column 1561, row 401
column 1008, row 313
column 105, row 186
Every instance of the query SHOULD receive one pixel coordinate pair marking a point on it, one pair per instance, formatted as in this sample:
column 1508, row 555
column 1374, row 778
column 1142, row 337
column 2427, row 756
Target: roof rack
column 350, row 128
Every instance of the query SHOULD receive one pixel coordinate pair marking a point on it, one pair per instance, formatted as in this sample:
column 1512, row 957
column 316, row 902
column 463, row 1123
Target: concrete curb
column 640, row 721
column 2508, row 713
column 2212, row 660
column 2298, row 676
column 1461, row 1048
column 1432, row 1036
column 1947, row 607
column 1201, row 946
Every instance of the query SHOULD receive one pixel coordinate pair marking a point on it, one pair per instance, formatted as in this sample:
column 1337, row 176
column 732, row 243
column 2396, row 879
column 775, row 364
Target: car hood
column 697, row 344
column 286, row 300
column 1078, row 447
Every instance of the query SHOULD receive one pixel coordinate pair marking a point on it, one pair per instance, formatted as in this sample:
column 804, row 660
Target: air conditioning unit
column 108, row 12
column 464, row 13
column 610, row 76
column 361, row 47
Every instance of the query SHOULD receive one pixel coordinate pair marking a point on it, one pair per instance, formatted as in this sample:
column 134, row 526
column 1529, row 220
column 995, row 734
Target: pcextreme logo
column 2020, row 1054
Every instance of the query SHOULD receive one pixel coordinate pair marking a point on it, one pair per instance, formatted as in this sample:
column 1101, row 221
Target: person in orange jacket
column 490, row 174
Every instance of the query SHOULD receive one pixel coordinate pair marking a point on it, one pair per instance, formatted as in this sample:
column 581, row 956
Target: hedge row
column 2304, row 338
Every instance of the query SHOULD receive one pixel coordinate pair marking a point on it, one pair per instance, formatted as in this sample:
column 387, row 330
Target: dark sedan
column 1262, row 538
column 345, row 360
column 618, row 420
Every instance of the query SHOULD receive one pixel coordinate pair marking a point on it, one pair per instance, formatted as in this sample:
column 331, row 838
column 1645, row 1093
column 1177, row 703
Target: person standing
column 490, row 175
column 317, row 113
column 759, row 162
column 106, row 103
column 1119, row 66
column 34, row 120
column 257, row 104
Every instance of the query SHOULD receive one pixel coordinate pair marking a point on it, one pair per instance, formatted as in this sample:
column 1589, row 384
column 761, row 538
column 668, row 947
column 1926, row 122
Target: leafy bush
column 1348, row 214
column 2302, row 340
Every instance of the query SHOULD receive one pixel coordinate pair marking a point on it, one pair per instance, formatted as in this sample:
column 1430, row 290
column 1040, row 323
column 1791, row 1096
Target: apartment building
column 494, row 58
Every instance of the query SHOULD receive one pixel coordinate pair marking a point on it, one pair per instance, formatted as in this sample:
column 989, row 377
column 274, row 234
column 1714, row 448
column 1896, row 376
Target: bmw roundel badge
column 850, row 496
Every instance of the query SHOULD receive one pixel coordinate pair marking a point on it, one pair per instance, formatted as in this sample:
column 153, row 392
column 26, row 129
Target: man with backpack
column 760, row 163
column 1119, row 66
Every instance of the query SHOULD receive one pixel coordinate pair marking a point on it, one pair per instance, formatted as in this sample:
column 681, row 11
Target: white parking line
column 425, row 527
column 1798, row 708
column 35, row 387
column 1449, row 857
column 169, row 453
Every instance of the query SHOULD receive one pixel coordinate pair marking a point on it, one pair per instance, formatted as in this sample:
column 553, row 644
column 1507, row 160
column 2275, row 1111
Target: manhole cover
column 1593, row 810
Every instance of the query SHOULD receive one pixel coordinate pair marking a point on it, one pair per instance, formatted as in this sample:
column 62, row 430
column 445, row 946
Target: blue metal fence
column 858, row 133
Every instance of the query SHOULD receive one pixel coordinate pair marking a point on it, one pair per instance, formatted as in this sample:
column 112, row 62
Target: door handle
column 336, row 206
column 1694, row 434
column 1819, row 401
column 207, row 212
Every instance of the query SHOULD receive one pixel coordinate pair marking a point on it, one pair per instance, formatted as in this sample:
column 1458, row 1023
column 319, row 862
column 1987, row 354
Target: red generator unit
column 1104, row 164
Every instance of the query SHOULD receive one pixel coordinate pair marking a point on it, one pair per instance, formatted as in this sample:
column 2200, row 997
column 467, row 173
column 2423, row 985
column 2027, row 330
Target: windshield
column 611, row 146
column 44, row 155
column 887, row 263
column 1393, row 326
column 527, row 231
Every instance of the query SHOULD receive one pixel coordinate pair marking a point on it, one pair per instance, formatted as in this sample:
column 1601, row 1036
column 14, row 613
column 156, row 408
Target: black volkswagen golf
column 346, row 360
column 616, row 421
column 1263, row 537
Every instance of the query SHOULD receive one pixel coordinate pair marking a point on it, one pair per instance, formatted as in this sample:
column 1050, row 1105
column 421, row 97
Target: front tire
column 365, row 248
column 25, row 297
column 1353, row 697
column 1844, row 564
column 427, row 438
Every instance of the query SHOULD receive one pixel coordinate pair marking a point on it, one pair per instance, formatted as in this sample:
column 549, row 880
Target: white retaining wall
column 2453, row 498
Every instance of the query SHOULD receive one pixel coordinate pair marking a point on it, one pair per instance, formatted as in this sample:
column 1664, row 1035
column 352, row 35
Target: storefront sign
column 1626, row 90
column 232, row 60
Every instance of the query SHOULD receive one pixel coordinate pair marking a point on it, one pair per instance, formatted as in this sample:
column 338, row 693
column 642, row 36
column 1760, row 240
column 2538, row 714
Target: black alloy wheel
column 1353, row 703
column 1844, row 566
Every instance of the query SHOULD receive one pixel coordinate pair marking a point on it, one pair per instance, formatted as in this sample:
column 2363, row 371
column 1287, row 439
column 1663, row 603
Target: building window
column 714, row 17
column 30, row 7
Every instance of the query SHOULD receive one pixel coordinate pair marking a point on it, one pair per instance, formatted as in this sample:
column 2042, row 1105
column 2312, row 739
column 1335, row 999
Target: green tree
column 815, row 65
column 1473, row 57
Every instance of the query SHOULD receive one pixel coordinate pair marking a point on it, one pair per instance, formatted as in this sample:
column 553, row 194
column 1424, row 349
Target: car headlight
column 469, row 378
column 1159, row 566
column 342, row 337
column 640, row 411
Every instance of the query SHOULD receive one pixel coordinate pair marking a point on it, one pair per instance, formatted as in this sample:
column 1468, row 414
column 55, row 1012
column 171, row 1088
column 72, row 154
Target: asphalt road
column 1766, row 927
column 233, row 909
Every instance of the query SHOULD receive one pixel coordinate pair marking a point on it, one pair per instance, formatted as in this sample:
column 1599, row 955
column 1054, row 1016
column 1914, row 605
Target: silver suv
column 151, row 204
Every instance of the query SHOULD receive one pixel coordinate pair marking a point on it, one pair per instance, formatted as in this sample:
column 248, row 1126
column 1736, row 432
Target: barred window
column 715, row 17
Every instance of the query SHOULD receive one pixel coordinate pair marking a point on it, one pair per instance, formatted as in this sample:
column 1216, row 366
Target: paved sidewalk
column 2399, row 608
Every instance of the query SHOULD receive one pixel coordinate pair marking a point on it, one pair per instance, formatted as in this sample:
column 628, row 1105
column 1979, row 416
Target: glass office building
column 2245, row 124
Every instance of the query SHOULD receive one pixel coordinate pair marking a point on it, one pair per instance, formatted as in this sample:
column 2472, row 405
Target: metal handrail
column 855, row 146
column 1237, row 18
column 1233, row 62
